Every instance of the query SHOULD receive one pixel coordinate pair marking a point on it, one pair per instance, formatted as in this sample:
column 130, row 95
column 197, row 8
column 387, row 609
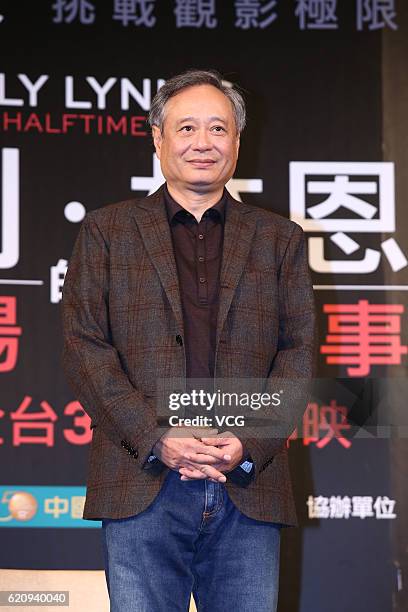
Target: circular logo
column 23, row 506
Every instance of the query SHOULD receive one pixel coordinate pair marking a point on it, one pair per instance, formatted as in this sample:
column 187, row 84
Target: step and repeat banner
column 76, row 83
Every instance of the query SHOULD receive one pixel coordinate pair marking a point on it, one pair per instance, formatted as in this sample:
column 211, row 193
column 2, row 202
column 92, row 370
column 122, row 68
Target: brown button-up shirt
column 198, row 252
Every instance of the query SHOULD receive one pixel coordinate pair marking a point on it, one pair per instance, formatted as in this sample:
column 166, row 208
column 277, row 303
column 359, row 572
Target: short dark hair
column 188, row 79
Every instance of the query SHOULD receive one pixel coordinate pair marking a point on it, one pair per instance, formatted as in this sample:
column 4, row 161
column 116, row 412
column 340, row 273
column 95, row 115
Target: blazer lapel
column 239, row 229
column 154, row 228
column 239, row 232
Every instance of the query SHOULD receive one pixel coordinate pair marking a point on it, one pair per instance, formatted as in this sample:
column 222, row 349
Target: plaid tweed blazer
column 122, row 321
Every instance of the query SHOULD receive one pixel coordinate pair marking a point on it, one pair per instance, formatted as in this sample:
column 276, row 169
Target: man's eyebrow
column 186, row 119
column 214, row 118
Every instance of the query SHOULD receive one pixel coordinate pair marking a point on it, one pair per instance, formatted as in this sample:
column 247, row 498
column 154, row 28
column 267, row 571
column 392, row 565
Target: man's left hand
column 230, row 444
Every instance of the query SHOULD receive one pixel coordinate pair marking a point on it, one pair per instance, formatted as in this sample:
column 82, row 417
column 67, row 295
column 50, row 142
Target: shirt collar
column 173, row 208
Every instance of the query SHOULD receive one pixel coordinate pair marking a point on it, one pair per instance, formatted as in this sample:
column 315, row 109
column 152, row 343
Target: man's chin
column 201, row 183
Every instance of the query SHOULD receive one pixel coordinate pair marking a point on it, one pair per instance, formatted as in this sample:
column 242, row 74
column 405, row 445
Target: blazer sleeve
column 90, row 361
column 294, row 363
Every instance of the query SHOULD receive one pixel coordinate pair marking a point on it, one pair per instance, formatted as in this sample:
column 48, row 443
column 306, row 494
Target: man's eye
column 219, row 128
column 187, row 128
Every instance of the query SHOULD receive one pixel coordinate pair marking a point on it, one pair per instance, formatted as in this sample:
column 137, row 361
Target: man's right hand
column 177, row 442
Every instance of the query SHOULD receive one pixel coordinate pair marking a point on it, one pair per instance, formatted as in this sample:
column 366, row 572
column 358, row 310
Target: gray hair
column 188, row 79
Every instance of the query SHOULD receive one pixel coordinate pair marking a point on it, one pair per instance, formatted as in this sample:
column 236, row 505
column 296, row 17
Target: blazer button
column 265, row 465
column 179, row 340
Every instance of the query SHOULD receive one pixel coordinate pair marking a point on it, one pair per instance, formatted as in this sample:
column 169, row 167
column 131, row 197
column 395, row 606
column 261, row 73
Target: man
column 189, row 284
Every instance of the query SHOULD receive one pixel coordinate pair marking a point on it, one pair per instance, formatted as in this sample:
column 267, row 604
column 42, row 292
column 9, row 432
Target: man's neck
column 195, row 202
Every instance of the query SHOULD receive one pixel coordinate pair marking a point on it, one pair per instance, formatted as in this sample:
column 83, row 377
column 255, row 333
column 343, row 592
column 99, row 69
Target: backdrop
column 326, row 145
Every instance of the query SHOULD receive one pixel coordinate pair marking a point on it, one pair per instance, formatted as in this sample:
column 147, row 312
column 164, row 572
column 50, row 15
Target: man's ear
column 157, row 139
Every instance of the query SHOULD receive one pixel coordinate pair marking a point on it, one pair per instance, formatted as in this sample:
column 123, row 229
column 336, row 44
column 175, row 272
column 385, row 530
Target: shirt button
column 202, row 279
column 201, row 258
column 201, row 236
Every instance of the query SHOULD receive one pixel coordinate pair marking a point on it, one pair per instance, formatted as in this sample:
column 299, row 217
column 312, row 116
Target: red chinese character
column 8, row 332
column 83, row 421
column 328, row 420
column 363, row 334
column 316, row 419
column 44, row 420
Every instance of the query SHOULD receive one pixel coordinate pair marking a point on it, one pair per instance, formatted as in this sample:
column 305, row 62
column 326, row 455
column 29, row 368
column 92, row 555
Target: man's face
column 198, row 148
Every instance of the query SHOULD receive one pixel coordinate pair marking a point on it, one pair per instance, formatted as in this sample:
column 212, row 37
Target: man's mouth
column 201, row 163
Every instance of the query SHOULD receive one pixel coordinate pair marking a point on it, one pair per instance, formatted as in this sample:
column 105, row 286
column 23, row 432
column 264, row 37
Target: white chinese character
column 340, row 507
column 77, row 506
column 362, row 506
column 56, row 506
column 67, row 11
column 249, row 14
column 318, row 507
column 344, row 194
column 384, row 508
column 377, row 13
column 138, row 12
column 316, row 14
column 195, row 13
column 10, row 214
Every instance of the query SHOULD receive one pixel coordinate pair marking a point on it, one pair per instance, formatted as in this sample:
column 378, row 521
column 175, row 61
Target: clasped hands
column 199, row 452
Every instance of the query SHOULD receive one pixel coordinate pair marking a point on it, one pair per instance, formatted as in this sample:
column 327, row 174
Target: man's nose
column 202, row 140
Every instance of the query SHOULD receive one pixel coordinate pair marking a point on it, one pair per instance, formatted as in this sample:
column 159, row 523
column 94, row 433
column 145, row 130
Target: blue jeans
column 191, row 539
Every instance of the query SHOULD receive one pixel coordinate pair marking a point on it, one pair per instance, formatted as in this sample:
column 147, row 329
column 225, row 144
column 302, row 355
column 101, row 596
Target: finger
column 192, row 472
column 198, row 466
column 209, row 450
column 216, row 439
column 200, row 431
column 212, row 472
column 204, row 431
column 183, row 477
column 206, row 458
column 182, row 431
column 187, row 474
